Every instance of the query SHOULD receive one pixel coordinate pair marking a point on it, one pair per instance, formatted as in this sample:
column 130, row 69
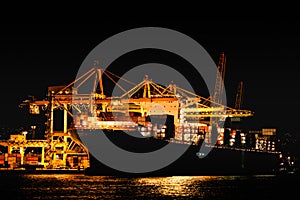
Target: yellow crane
column 67, row 98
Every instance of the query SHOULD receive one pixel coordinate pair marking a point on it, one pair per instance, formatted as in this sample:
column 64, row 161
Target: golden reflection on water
column 174, row 185
column 74, row 186
column 60, row 177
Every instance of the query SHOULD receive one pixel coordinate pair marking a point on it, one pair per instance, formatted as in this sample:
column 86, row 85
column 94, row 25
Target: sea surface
column 79, row 186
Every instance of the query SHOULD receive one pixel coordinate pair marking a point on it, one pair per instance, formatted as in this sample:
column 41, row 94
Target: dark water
column 175, row 187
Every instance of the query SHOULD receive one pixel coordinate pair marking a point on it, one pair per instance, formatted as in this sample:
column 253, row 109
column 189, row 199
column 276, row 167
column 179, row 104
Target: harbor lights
column 33, row 131
column 24, row 133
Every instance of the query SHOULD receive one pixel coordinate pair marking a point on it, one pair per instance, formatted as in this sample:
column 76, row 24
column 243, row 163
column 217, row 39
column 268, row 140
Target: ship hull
column 219, row 161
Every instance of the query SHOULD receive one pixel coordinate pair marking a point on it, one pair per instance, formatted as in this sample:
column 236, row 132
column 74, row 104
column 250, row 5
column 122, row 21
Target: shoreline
column 40, row 171
column 128, row 175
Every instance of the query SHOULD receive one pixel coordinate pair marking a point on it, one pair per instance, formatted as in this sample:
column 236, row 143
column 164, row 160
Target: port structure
column 57, row 152
column 128, row 111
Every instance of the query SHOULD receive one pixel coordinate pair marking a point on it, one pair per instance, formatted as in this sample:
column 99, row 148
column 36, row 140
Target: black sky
column 263, row 52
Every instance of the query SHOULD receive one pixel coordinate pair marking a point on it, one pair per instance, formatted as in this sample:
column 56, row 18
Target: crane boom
column 219, row 86
column 239, row 96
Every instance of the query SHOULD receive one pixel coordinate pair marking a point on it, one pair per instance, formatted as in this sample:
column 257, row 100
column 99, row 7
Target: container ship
column 198, row 157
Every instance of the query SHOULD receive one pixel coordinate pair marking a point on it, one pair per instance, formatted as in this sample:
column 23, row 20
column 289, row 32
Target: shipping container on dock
column 77, row 161
column 2, row 160
column 11, row 160
column 31, row 161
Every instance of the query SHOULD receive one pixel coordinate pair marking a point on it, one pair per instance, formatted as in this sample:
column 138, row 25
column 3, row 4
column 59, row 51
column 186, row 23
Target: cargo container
column 31, row 161
column 162, row 126
column 2, row 160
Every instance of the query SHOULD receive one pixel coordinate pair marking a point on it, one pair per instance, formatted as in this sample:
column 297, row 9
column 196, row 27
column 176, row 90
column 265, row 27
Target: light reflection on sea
column 106, row 187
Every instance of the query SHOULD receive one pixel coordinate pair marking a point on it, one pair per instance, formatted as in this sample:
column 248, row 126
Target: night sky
column 263, row 52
